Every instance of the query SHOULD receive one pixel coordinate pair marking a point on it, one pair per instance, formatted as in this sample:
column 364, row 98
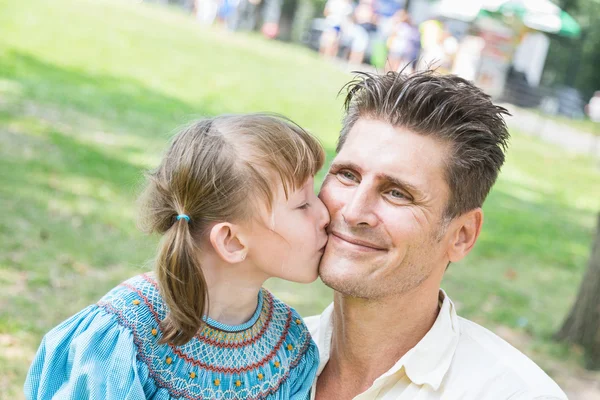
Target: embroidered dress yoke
column 110, row 350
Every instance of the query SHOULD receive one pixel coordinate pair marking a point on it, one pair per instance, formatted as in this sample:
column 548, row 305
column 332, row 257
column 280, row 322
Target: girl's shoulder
column 136, row 304
column 74, row 356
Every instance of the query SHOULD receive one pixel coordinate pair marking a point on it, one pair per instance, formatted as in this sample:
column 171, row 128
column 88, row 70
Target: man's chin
column 343, row 282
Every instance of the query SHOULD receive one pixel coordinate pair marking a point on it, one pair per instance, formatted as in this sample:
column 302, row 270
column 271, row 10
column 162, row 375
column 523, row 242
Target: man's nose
column 359, row 210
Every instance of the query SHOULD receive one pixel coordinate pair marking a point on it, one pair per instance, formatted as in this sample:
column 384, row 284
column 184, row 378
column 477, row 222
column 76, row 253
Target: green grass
column 90, row 92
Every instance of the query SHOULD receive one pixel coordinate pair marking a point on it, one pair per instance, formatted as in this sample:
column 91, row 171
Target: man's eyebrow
column 345, row 164
column 401, row 184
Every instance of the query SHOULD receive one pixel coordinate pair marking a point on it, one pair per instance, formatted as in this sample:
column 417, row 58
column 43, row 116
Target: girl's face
column 288, row 243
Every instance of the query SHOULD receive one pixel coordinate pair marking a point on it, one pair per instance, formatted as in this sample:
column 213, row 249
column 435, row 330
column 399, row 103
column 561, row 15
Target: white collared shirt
column 457, row 359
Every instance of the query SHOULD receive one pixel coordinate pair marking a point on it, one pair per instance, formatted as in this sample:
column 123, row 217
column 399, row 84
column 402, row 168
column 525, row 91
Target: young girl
column 234, row 201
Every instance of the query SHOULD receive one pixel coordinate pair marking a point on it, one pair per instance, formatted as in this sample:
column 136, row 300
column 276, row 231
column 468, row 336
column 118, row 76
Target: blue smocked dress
column 110, row 350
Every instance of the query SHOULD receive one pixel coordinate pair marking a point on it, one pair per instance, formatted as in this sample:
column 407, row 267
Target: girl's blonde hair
column 217, row 169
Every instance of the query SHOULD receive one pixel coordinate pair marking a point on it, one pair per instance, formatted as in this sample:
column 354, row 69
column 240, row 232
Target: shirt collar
column 323, row 337
column 426, row 363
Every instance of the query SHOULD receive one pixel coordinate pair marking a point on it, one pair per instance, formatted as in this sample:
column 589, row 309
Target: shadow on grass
column 67, row 231
column 119, row 103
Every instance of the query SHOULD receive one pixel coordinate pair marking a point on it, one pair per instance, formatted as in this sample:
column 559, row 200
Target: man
column 416, row 157
column 385, row 11
column 403, row 43
column 593, row 108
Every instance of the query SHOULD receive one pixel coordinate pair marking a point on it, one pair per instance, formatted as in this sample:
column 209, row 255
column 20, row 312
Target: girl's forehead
column 292, row 192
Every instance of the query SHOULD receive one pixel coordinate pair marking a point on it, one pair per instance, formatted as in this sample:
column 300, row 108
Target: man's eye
column 347, row 175
column 397, row 194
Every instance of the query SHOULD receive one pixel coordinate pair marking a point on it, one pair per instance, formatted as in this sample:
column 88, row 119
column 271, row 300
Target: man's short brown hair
column 446, row 107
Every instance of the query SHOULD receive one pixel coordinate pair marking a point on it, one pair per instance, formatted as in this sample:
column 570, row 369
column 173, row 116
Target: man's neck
column 371, row 336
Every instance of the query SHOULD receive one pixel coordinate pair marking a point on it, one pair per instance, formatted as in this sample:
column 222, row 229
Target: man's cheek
column 324, row 185
column 324, row 191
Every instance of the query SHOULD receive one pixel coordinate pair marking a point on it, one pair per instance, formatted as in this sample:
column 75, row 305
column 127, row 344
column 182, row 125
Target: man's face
column 386, row 193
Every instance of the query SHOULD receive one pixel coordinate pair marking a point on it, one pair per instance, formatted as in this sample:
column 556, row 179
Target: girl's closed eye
column 304, row 206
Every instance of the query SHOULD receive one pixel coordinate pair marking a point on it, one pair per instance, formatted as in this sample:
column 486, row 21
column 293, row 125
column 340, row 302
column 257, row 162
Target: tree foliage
column 574, row 62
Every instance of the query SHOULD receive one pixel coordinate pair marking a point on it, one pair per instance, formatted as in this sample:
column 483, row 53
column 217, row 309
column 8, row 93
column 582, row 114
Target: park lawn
column 91, row 91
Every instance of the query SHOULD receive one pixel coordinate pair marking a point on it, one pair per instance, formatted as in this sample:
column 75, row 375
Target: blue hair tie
column 183, row 216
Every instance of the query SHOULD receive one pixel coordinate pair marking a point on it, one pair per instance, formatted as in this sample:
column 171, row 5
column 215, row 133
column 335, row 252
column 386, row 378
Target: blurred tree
column 574, row 62
column 582, row 325
column 289, row 13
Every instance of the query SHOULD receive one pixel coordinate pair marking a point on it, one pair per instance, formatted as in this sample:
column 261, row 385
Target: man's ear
column 226, row 240
column 466, row 229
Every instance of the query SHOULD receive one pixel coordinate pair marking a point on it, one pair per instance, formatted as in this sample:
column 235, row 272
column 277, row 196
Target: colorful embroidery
column 252, row 363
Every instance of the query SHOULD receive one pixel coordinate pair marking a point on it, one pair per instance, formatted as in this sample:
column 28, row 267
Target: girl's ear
column 225, row 238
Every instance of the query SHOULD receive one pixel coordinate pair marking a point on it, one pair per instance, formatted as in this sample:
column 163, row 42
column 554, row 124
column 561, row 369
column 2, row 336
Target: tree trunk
column 582, row 325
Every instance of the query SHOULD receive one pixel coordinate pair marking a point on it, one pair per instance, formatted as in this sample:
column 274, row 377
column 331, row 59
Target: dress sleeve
column 303, row 374
column 88, row 356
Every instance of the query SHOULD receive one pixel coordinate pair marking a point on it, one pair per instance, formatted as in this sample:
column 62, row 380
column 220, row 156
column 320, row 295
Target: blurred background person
column 205, row 11
column 337, row 15
column 245, row 15
column 360, row 31
column 271, row 13
column 432, row 36
column 593, row 107
column 449, row 46
column 404, row 43
column 226, row 12
column 385, row 11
